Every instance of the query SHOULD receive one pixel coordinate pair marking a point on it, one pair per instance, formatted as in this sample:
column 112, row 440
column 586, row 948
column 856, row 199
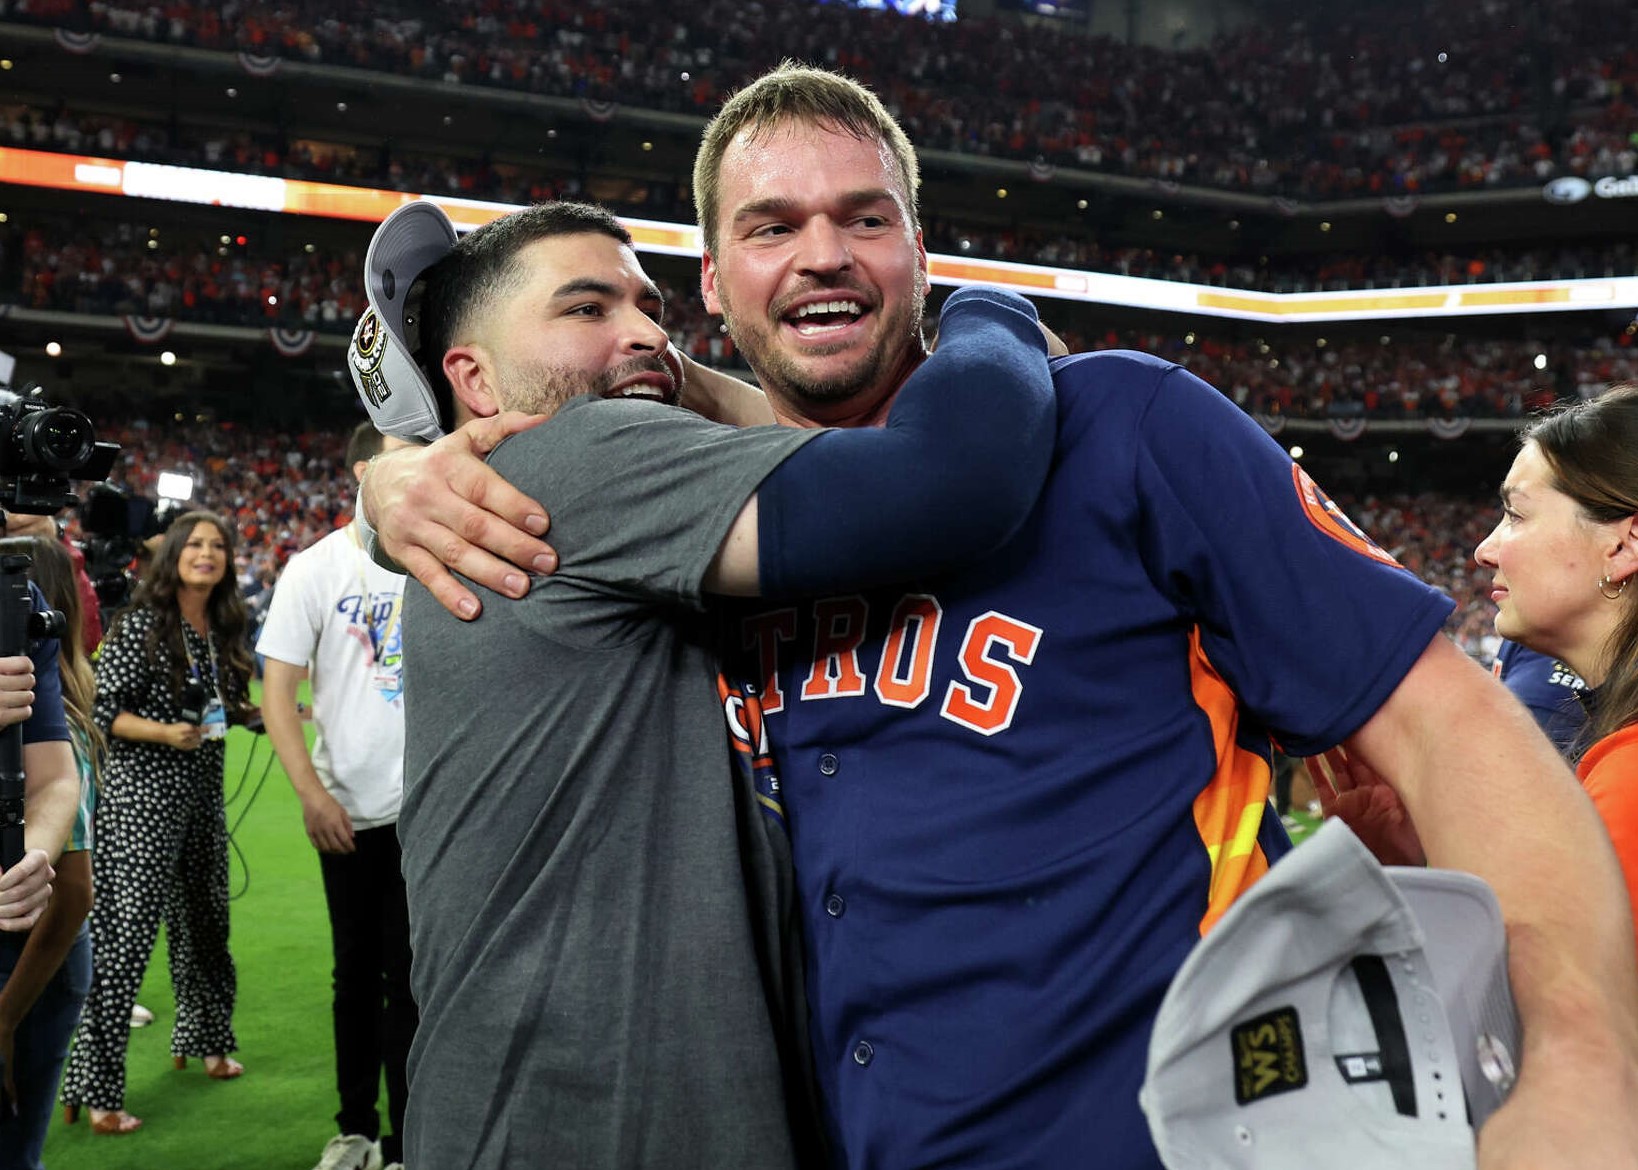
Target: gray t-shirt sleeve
column 640, row 495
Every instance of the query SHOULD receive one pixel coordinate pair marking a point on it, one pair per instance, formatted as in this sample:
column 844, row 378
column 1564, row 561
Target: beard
column 784, row 374
column 537, row 387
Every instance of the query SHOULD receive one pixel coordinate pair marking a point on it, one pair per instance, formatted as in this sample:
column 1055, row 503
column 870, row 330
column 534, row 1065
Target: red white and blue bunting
column 598, row 111
column 1041, row 171
column 259, row 64
column 291, row 342
column 1448, row 428
column 1346, row 429
column 1272, row 423
column 77, row 43
column 1400, row 206
column 148, row 330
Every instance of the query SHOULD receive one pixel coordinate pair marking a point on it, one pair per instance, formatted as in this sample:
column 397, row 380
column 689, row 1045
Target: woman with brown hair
column 1564, row 557
column 173, row 666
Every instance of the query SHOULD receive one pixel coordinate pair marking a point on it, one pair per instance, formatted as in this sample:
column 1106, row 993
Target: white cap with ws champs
column 382, row 355
column 1341, row 1014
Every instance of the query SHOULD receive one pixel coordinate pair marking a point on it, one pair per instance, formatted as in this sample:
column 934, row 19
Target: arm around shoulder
column 951, row 476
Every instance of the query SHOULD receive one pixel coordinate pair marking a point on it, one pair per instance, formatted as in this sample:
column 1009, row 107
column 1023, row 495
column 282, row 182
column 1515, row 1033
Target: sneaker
column 141, row 1017
column 350, row 1151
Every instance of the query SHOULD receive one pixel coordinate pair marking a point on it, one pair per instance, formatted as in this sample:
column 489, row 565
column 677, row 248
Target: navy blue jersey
column 1018, row 794
column 1548, row 687
column 47, row 722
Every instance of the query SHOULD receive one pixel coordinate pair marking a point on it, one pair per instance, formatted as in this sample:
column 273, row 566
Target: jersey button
column 835, row 906
column 863, row 1053
column 827, row 765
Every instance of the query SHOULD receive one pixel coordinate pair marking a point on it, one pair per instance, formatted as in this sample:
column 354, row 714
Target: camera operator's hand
column 29, row 524
column 184, row 736
column 16, row 689
column 25, row 889
column 329, row 827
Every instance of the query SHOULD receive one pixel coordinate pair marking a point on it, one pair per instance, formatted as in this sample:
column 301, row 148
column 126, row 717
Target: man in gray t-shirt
column 605, row 955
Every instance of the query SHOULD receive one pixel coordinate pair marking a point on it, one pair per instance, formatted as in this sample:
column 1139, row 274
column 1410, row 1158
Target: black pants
column 375, row 1016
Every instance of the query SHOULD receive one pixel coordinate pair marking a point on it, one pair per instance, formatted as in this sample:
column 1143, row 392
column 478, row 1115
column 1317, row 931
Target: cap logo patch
column 1268, row 1056
column 369, row 343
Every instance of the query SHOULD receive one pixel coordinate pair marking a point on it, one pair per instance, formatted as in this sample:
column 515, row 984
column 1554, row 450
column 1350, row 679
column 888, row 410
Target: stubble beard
column 543, row 388
column 784, row 375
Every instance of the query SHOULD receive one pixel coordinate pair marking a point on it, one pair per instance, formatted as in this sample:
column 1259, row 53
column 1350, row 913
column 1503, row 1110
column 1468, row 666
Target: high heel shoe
column 109, row 1121
column 224, row 1068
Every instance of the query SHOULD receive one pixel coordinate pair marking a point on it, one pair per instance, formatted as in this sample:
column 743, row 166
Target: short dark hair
column 364, row 443
column 801, row 95
column 482, row 267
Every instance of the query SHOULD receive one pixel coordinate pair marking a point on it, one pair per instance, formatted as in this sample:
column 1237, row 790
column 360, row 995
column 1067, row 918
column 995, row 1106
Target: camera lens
column 57, row 437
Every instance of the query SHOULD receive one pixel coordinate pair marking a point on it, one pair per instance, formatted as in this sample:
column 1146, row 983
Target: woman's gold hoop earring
column 1604, row 587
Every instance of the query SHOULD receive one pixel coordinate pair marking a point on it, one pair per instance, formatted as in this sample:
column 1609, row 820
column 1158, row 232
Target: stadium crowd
column 1389, row 377
column 1379, row 99
column 283, row 491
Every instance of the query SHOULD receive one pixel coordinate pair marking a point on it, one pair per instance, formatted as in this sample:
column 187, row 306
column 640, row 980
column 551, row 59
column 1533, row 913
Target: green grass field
column 281, row 1112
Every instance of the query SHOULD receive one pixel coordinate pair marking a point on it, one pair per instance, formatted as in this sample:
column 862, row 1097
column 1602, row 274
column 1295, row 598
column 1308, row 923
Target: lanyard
column 210, row 649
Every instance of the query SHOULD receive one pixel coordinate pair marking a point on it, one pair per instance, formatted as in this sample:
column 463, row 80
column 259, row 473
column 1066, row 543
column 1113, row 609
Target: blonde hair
column 802, row 94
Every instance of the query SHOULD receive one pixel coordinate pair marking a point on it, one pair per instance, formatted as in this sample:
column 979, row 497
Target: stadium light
column 167, row 358
column 175, row 485
column 1541, row 361
column 1296, row 452
column 54, row 349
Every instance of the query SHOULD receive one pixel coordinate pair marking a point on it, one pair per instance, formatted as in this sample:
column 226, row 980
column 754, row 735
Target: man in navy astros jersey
column 1018, row 794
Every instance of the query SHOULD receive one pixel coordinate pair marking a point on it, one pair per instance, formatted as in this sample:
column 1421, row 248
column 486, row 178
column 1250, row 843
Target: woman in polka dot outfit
column 173, row 665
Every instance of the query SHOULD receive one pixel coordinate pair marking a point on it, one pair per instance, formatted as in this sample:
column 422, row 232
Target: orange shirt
column 1609, row 773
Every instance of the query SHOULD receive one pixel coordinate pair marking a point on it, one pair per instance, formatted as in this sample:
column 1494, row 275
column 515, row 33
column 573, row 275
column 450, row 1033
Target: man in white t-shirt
column 336, row 617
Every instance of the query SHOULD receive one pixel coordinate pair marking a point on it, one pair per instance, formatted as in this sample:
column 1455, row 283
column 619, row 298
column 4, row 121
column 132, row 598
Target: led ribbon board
column 67, row 172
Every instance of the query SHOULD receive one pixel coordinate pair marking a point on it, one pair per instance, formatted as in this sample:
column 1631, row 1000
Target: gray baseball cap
column 382, row 355
column 1340, row 1014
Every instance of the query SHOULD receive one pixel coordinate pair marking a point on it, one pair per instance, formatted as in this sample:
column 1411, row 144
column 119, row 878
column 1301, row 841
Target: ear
column 921, row 262
column 358, row 470
column 1622, row 560
column 708, row 285
column 467, row 368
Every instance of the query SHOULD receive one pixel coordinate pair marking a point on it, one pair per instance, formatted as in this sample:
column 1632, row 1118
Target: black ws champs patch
column 1268, row 1057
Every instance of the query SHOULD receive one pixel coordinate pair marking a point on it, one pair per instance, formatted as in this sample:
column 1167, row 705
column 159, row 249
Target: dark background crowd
column 1374, row 98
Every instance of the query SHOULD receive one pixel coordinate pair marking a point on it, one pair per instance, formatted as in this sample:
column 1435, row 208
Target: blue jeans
column 42, row 1046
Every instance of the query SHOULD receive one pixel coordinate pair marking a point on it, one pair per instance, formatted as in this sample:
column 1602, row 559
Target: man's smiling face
column 818, row 271
column 582, row 318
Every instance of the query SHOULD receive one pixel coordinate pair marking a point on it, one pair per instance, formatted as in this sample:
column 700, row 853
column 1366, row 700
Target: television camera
column 42, row 448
